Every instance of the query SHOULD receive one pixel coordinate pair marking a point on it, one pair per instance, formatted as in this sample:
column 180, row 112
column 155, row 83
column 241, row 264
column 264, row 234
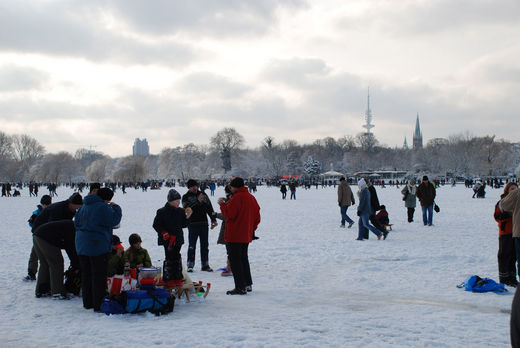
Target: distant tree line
column 24, row 159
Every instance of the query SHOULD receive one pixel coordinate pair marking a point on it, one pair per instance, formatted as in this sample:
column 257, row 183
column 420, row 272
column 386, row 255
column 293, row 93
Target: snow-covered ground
column 314, row 284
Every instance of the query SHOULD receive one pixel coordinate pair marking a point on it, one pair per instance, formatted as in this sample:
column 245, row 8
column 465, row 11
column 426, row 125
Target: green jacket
column 115, row 264
column 136, row 257
column 409, row 192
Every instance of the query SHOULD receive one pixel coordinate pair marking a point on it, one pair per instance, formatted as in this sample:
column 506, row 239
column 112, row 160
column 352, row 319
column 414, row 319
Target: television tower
column 368, row 116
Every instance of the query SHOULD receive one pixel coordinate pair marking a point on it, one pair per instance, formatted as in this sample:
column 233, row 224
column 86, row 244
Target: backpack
column 478, row 284
column 149, row 298
column 73, row 281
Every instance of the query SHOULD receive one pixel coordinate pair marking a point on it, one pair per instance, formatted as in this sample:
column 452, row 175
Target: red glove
column 165, row 235
column 172, row 240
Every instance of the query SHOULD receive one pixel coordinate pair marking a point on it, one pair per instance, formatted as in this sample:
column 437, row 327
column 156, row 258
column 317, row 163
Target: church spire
column 417, row 136
column 405, row 145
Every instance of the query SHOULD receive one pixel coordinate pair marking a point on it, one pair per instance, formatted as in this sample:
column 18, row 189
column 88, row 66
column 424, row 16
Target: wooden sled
column 188, row 287
column 388, row 227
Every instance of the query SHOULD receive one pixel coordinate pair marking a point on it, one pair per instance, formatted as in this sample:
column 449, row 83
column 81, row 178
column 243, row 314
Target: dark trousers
column 32, row 267
column 172, row 267
column 376, row 224
column 239, row 260
column 410, row 212
column 506, row 258
column 93, row 280
column 515, row 321
column 198, row 232
column 51, row 267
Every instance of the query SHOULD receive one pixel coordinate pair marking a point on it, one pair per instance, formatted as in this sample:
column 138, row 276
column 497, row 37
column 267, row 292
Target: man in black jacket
column 168, row 223
column 64, row 210
column 201, row 206
column 426, row 194
column 48, row 240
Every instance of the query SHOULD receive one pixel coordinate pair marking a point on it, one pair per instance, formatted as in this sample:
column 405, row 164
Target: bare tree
column 273, row 155
column 225, row 142
column 97, row 170
column 26, row 149
column 58, row 168
column 129, row 169
column 6, row 146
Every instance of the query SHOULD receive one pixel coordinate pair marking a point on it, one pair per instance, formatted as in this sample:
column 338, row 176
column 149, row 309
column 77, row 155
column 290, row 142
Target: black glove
column 358, row 213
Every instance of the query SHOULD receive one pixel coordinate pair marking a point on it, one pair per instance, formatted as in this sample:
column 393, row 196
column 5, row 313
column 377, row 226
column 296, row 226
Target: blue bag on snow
column 157, row 301
column 478, row 284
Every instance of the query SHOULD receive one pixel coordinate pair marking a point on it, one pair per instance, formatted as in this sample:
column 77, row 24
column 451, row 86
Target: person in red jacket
column 242, row 214
column 506, row 247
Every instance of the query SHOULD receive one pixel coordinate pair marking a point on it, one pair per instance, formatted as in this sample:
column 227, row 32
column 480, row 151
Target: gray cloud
column 231, row 18
column 210, row 85
column 60, row 28
column 14, row 78
column 419, row 18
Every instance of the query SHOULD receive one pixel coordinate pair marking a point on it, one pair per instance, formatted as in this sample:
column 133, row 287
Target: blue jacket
column 34, row 215
column 364, row 206
column 94, row 222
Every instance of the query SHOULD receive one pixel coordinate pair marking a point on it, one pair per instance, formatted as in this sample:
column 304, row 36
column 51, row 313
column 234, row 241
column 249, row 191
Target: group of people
column 83, row 227
column 373, row 216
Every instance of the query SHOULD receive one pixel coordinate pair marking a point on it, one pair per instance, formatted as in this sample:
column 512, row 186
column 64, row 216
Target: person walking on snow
column 345, row 199
column 409, row 198
column 364, row 211
column 426, row 194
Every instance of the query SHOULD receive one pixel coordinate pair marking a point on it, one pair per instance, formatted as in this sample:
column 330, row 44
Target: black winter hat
column 237, row 182
column 115, row 239
column 173, row 195
column 105, row 193
column 46, row 200
column 76, row 199
column 134, row 239
column 425, row 178
column 191, row 183
column 94, row 186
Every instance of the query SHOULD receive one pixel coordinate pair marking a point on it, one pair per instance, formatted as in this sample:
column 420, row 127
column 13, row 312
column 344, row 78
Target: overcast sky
column 101, row 73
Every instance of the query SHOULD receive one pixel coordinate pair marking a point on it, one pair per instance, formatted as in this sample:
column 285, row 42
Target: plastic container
column 148, row 275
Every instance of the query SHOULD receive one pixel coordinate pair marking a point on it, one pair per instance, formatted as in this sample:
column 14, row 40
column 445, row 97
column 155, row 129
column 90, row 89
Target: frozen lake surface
column 314, row 284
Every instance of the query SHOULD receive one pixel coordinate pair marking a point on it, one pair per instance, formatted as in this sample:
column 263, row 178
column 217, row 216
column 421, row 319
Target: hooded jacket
column 172, row 220
column 511, row 204
column 345, row 195
column 364, row 206
column 54, row 212
column 94, row 222
column 242, row 214
column 408, row 192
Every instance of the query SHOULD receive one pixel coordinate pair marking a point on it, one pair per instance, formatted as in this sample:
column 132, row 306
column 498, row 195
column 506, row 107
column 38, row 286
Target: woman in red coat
column 242, row 215
column 506, row 247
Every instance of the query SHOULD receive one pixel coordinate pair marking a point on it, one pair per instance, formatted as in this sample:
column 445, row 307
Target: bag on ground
column 151, row 299
column 478, row 284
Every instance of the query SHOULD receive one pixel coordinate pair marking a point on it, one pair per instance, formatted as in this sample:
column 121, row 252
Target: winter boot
column 227, row 272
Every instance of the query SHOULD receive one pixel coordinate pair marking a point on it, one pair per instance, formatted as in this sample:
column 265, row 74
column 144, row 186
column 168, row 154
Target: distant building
column 141, row 148
column 405, row 145
column 417, row 135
